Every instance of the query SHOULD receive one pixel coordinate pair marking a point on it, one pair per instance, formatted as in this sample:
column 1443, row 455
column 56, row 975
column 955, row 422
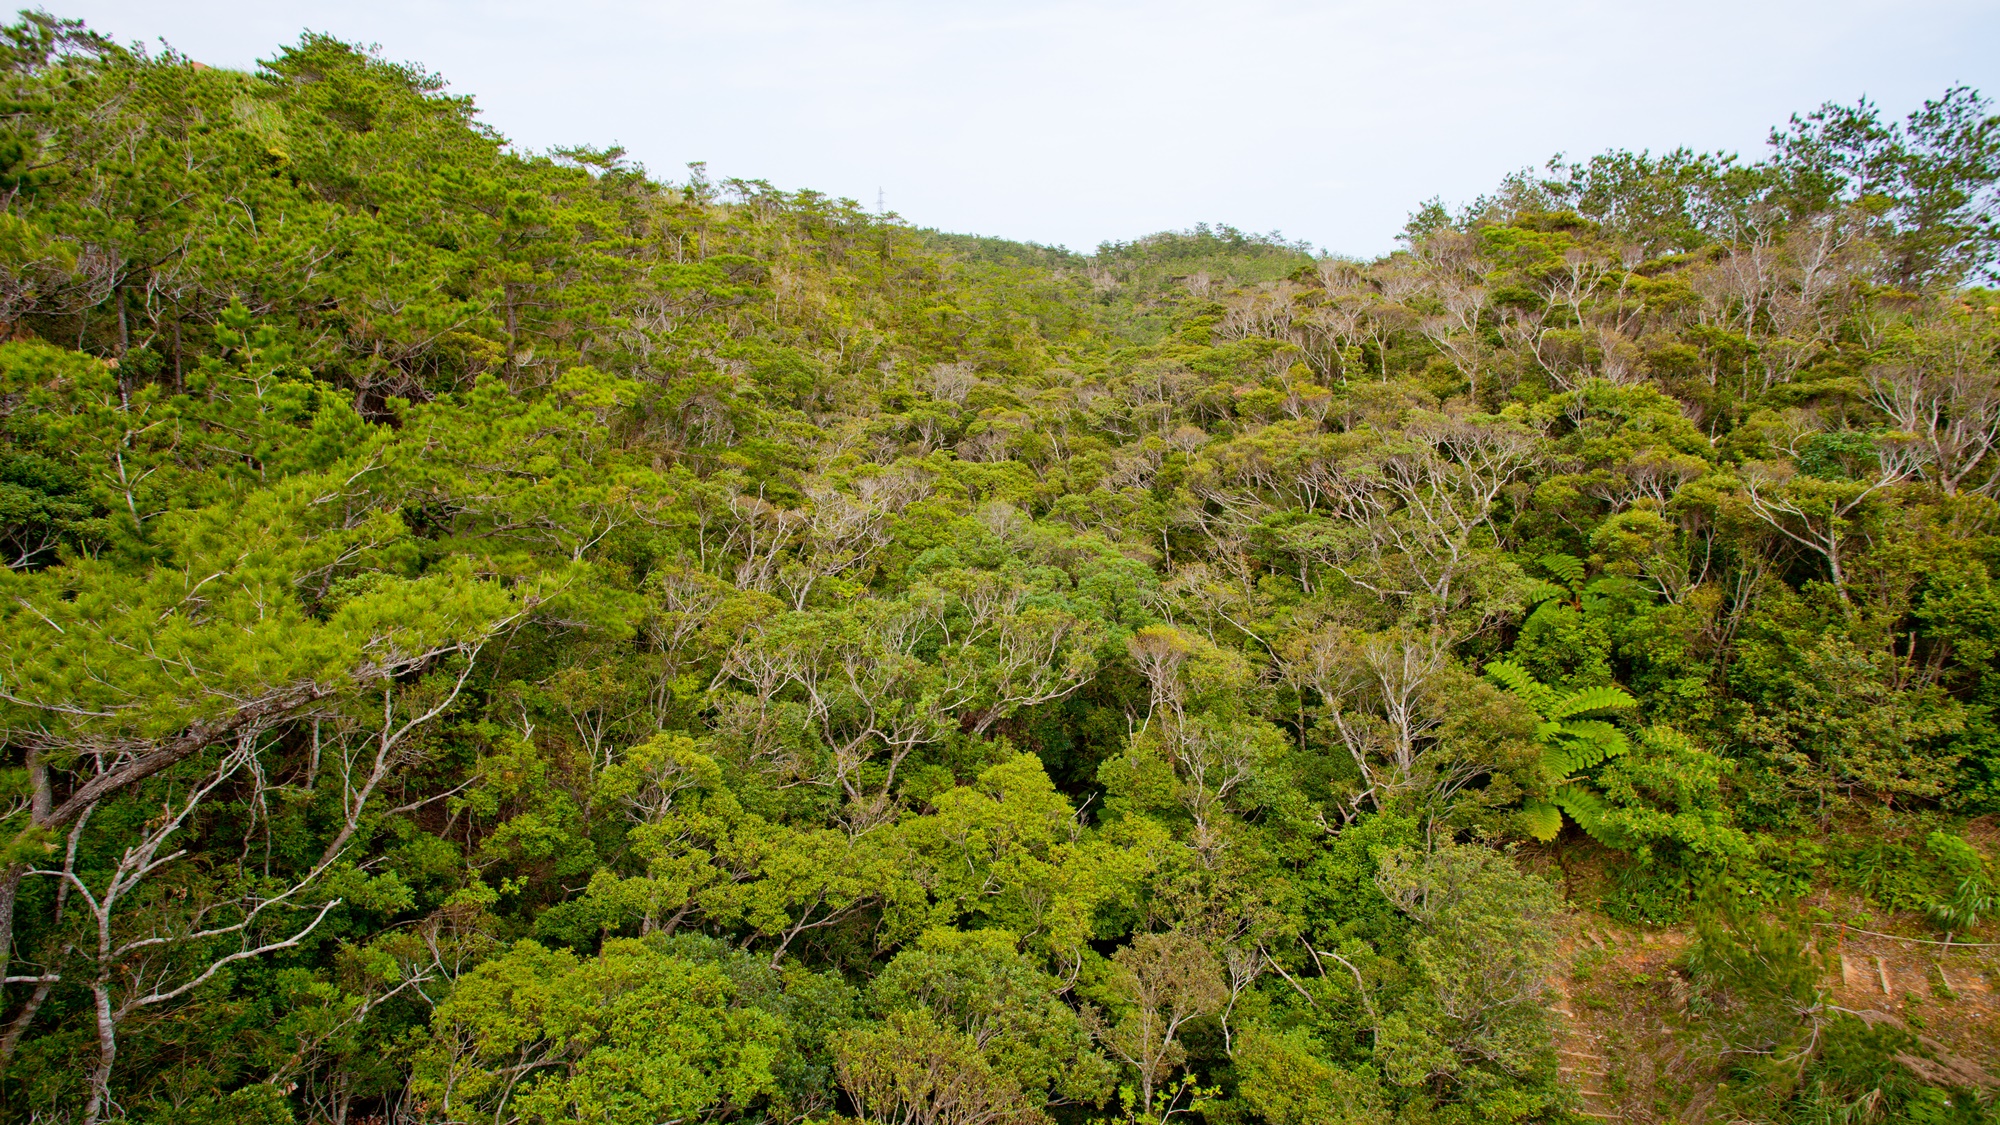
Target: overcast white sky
column 1077, row 122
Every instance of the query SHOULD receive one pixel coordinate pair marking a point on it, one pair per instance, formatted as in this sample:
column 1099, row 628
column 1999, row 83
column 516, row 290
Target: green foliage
column 1973, row 895
column 977, row 983
column 1284, row 1080
column 635, row 1035
column 503, row 634
column 1485, row 948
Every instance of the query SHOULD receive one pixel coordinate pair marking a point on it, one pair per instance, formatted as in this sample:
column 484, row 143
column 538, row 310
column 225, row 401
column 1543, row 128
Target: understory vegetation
column 493, row 636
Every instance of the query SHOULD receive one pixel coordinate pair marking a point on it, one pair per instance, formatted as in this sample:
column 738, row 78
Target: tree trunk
column 107, row 1053
column 10, row 885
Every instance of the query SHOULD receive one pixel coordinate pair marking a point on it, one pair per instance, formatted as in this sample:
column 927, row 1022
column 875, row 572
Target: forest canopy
column 491, row 635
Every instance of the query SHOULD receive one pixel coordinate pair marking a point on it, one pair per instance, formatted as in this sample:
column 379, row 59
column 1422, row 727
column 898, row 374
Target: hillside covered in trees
column 505, row 637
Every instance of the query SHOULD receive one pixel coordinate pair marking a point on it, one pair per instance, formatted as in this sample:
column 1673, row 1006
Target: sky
column 1093, row 120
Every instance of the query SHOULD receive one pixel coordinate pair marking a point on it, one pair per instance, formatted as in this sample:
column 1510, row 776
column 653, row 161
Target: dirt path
column 1622, row 1006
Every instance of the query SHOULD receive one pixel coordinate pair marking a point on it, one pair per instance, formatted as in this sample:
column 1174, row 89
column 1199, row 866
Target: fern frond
column 1574, row 745
column 1539, row 591
column 1591, row 701
column 1587, row 809
column 1542, row 820
column 1521, row 682
column 1569, row 568
column 1593, row 739
column 1557, row 764
column 1562, row 761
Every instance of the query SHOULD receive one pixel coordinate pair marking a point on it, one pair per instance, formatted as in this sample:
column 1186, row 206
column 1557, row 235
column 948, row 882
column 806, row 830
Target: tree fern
column 1572, row 742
